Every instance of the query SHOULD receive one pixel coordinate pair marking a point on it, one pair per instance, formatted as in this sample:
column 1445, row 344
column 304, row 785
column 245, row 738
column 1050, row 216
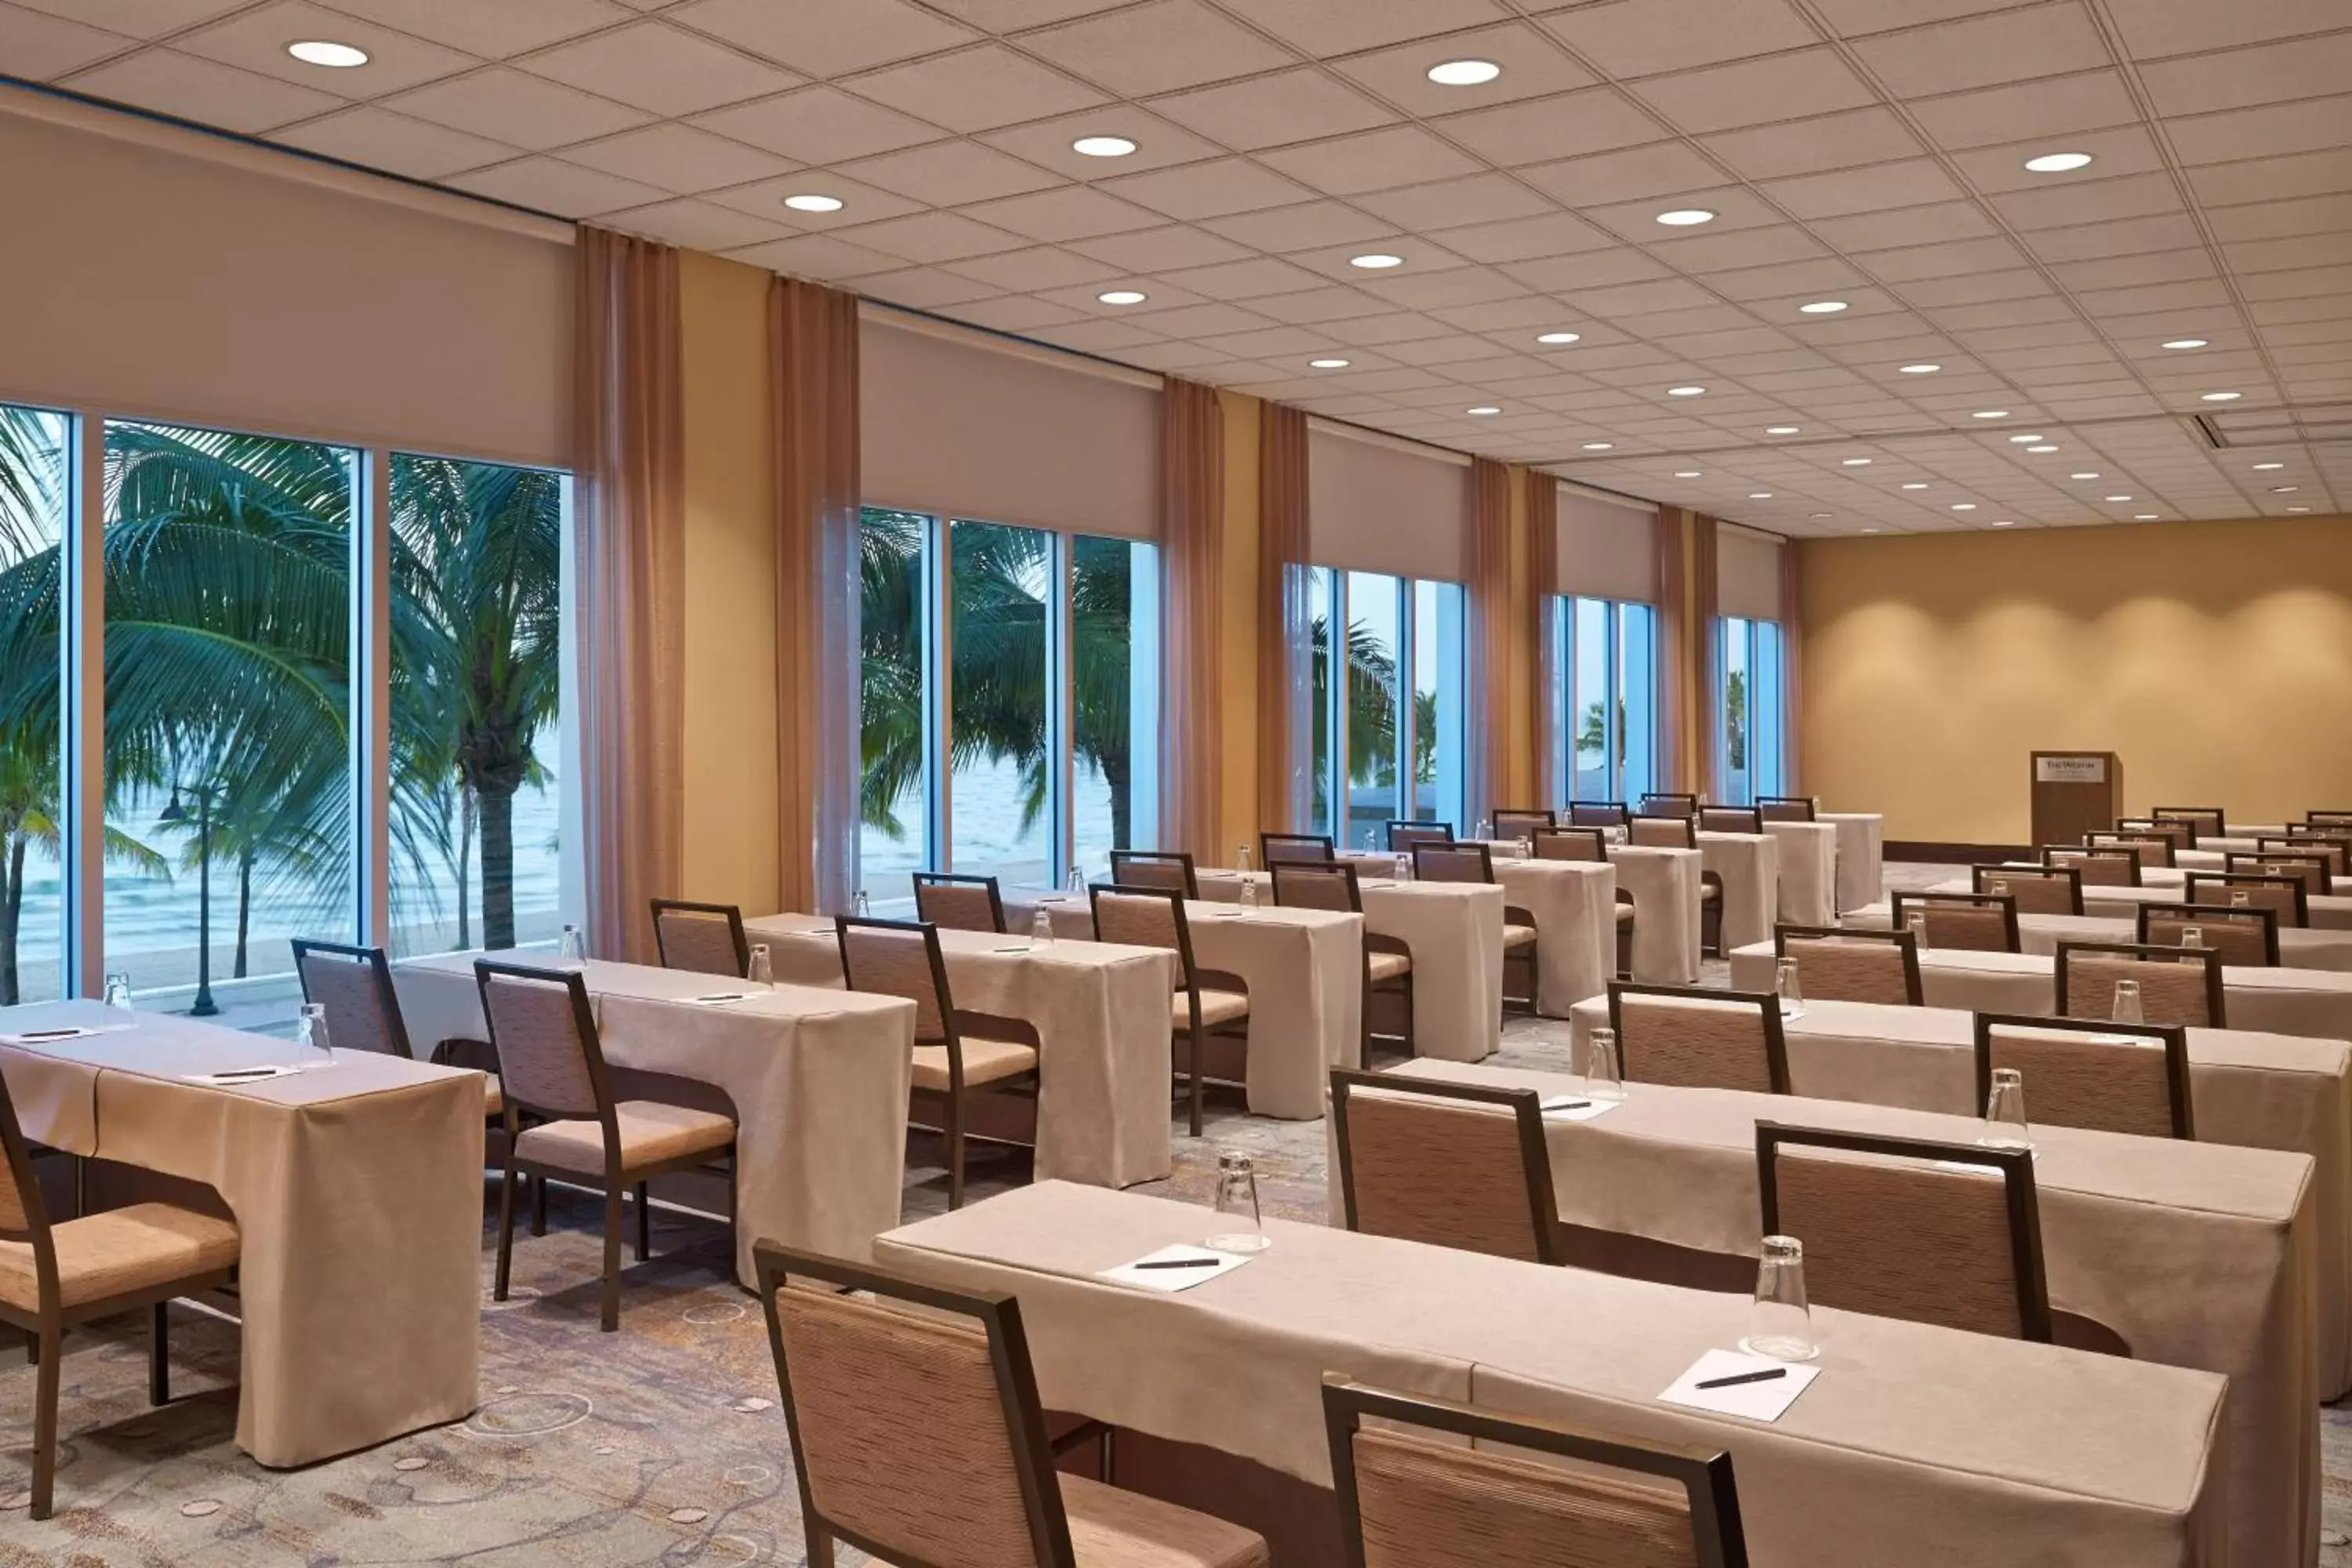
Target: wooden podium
column 2075, row 793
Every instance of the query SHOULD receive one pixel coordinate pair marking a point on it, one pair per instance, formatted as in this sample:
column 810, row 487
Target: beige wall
column 2215, row 659
column 731, row 588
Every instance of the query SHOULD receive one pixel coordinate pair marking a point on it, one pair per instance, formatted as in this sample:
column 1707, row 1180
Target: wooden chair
column 1730, row 820
column 1168, row 870
column 1835, row 963
column 917, row 1436
column 1652, row 831
column 954, row 902
column 1274, row 847
column 2247, row 936
column 1413, row 1493
column 1699, row 1039
column 553, row 1066
column 2209, row 821
column 2111, row 867
column 1919, row 1230
column 2107, row 1077
column 57, row 1277
column 1787, row 808
column 1406, row 836
column 1668, row 804
column 1154, row 917
column 2183, row 834
column 2175, row 987
column 2153, row 849
column 1475, row 863
column 1598, row 814
column 956, row 1058
column 1974, row 923
column 354, row 985
column 1511, row 823
column 1388, row 961
column 2298, row 833
column 2314, row 865
column 1572, row 844
column 1453, row 1164
column 2287, row 897
column 705, row 939
column 2034, row 889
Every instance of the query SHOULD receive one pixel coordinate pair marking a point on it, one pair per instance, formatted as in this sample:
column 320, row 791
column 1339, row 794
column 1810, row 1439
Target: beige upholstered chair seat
column 1386, row 966
column 1624, row 914
column 985, row 1061
column 1216, row 1007
column 1518, row 936
column 120, row 1251
column 1114, row 1529
column 1710, row 892
column 494, row 1097
column 651, row 1134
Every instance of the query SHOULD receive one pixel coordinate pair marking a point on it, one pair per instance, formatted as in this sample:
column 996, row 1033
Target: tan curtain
column 813, row 349
column 1793, row 637
column 1193, row 549
column 1284, row 700
column 1486, row 754
column 1543, row 587
column 629, row 513
column 1674, row 697
column 1704, row 626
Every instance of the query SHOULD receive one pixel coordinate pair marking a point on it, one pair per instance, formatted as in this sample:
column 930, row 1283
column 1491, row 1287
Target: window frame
column 1620, row 714
column 1449, row 803
column 1763, row 645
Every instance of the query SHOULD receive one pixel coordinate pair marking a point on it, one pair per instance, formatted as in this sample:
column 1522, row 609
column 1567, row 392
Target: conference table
column 2300, row 947
column 1860, row 855
column 1999, row 1452
column 1665, row 886
column 817, row 1080
column 1749, row 866
column 1809, row 866
column 2164, row 885
column 356, row 1186
column 2200, row 1255
column 1571, row 903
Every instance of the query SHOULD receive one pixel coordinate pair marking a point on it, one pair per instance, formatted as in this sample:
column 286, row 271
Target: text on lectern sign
column 2070, row 770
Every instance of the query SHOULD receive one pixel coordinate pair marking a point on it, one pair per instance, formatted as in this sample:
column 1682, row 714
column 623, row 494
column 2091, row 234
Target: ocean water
column 988, row 839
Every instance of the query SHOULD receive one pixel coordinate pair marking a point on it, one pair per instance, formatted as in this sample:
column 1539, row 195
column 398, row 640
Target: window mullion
column 81, row 753
column 370, row 725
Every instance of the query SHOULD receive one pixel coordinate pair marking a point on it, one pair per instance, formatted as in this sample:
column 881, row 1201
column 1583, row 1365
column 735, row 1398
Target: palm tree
column 1372, row 678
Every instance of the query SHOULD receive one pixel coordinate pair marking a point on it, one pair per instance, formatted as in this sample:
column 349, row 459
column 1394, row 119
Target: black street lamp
column 204, row 1007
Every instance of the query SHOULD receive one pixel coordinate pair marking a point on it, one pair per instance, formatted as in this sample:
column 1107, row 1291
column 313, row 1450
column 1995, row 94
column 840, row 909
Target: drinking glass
column 1521, row 847
column 118, row 991
column 1041, row 928
column 1603, row 1073
column 1618, row 832
column 1781, row 1325
column 759, row 971
column 863, row 907
column 2193, row 938
column 1997, row 887
column 1077, row 884
column 1241, row 861
column 1237, row 1205
column 2239, row 898
column 1792, row 998
column 1249, row 892
column 1405, row 868
column 1917, row 926
column 572, row 947
column 2005, row 1111
column 1482, row 829
column 311, row 1033
column 2126, row 1007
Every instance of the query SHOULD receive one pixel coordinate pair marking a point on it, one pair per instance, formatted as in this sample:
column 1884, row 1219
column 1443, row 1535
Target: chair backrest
column 2328, row 819
column 1597, row 814
column 1453, row 863
column 544, row 1033
column 23, row 1216
column 1318, row 885
column 1903, row 1227
column 2210, row 821
column 1453, row 1164
column 1413, row 1493
column 2302, row 839
column 2111, row 867
column 955, row 902
column 2285, row 897
column 2296, row 832
column 1275, row 848
column 2175, row 987
column 354, row 985
column 1169, row 869
column 1522, row 822
column 1662, row 832
column 1730, row 820
column 1977, row 922
column 2108, row 1077
column 1146, row 917
column 899, row 958
column 1787, row 808
column 2315, row 864
column 1669, row 803
column 707, row 939
column 913, row 1416
column 1838, row 964
column 2247, row 936
column 1699, row 1039
column 2036, row 890
column 1572, row 844
column 1406, row 836
column 2182, row 832
column 2153, row 849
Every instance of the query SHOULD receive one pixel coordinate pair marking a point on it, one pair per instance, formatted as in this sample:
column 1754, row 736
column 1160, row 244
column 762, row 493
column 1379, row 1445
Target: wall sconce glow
column 1684, row 217
column 1327, row 364
column 2045, row 446
column 325, row 52
column 1483, row 409
column 1103, row 146
column 2220, row 396
column 2058, row 163
column 1779, row 430
column 1685, row 391
column 1465, row 73
column 1920, row 369
column 814, row 204
column 1822, row 308
column 1600, row 446
column 1559, row 337
column 1122, row 297
column 1990, row 413
column 1375, row 260
column 2183, row 343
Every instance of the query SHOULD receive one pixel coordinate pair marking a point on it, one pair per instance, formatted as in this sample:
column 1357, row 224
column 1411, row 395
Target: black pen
column 722, row 996
column 1567, row 1104
column 244, row 1072
column 1743, row 1377
column 1182, row 1263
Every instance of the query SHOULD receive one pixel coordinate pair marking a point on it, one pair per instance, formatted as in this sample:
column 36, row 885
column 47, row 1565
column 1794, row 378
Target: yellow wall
column 731, row 808
column 1236, row 719
column 2215, row 659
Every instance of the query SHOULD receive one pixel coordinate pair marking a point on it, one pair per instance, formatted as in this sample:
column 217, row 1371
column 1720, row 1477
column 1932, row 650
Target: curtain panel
column 629, row 516
column 1706, row 627
column 1543, row 579
column 812, row 334
column 1193, row 549
column 1675, row 695
column 1487, row 666
column 1793, row 637
column 1285, row 714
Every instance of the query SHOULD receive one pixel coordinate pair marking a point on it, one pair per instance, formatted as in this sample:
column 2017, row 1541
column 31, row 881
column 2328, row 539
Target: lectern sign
column 2074, row 793
column 2076, row 769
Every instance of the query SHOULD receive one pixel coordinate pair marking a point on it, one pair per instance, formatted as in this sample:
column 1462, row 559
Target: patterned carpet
column 660, row 1445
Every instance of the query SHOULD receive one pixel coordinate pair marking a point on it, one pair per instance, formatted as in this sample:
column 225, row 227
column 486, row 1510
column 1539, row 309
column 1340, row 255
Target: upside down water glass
column 2126, row 1004
column 117, row 992
column 1604, row 1074
column 758, row 970
column 1237, row 1206
column 2005, row 1111
column 311, row 1035
column 1780, row 1324
column 1793, row 998
column 572, row 947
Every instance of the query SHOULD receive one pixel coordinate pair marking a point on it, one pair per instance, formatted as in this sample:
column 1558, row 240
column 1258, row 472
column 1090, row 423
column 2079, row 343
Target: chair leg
column 1195, row 1034
column 506, row 1234
column 159, row 1356
column 645, row 1225
column 612, row 1315
column 820, row 1549
column 954, row 1119
column 538, row 1205
column 44, row 1423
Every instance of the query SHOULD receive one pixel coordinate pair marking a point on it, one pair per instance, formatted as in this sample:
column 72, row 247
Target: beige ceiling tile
column 1066, row 212
column 135, row 18
column 1275, row 111
column 2122, row 150
column 1379, row 332
column 1377, row 160
column 2096, row 201
column 526, row 111
column 1947, row 261
column 1166, row 302
column 1343, row 26
column 1524, row 240
column 1040, row 267
column 1244, row 280
column 2272, row 179
column 678, row 158
column 490, row 31
column 1452, row 203
column 1458, row 286
column 926, row 289
column 1209, row 190
column 1638, row 299
column 1532, row 65
column 1301, row 227
column 933, row 237
column 1755, row 92
column 1912, row 183
column 1735, row 207
column 696, row 225
column 1565, row 127
column 1097, row 337
column 820, row 125
column 2057, row 106
column 1020, row 314
column 861, row 202
column 1158, row 47
column 1269, row 344
column 1761, row 246
column 975, row 89
column 2155, row 28
column 824, row 37
column 1201, row 320
column 1843, row 140
column 256, row 41
column 2241, row 78
column 1797, row 281
column 1642, row 38
column 38, row 48
column 1048, row 142
column 2130, row 237
column 1986, row 51
column 1329, row 303
column 380, row 139
column 1420, row 255
column 2123, row 271
column 819, row 256
column 2276, row 220
column 1011, row 16
column 2308, row 126
column 2280, row 255
column 662, row 68
column 1906, row 225
column 949, row 171
column 1660, row 169
column 200, row 91
column 1499, row 318
column 551, row 185
column 1157, row 249
column 2197, row 296
column 1564, row 275
column 1974, row 288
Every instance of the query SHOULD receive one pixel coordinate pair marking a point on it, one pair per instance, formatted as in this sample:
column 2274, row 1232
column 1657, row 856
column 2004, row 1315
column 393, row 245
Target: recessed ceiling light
column 1920, row 369
column 2298, row 509
column 2118, row 498
column 2143, row 517
column 813, row 203
column 2058, row 163
column 1779, row 430
column 1599, row 445
column 1854, row 462
column 1684, row 391
column 2284, row 489
column 1990, row 413
column 1824, row 307
column 1760, row 494
column 2004, row 522
column 1482, row 408
column 1684, row 217
column 2265, row 467
column 1689, row 474
column 1870, row 531
column 1916, row 485
column 1465, row 73
column 2093, row 474
column 1964, row 506
column 1122, row 297
column 1103, row 146
column 324, row 52
column 1817, row 515
column 1559, row 337
column 1327, row 364
column 2045, row 446
column 2021, row 441
column 2220, row 396
column 2183, row 343
column 1372, row 262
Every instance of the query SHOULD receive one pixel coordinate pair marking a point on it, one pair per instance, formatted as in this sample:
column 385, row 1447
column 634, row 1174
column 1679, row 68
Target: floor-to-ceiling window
column 1114, row 700
column 1321, row 604
column 900, row 729
column 1605, row 651
column 1000, row 788
column 1371, row 792
column 1750, row 737
column 33, row 470
column 1397, row 704
column 1439, row 722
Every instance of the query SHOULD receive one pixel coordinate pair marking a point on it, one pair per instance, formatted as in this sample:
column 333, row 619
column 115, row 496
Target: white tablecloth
column 1862, row 857
column 1808, row 872
column 1749, row 865
column 1573, row 906
column 1664, row 885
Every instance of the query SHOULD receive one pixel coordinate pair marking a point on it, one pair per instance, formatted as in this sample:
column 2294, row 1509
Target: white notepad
column 237, row 1077
column 1757, row 1401
column 64, row 1032
column 1567, row 1107
column 1210, row 1265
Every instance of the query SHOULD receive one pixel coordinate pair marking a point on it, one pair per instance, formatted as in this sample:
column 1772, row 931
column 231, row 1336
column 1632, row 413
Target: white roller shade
column 1381, row 505
column 1607, row 550
column 1747, row 573
column 958, row 427
column 157, row 272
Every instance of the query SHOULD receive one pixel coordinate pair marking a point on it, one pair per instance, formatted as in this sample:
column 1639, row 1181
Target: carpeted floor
column 660, row 1445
